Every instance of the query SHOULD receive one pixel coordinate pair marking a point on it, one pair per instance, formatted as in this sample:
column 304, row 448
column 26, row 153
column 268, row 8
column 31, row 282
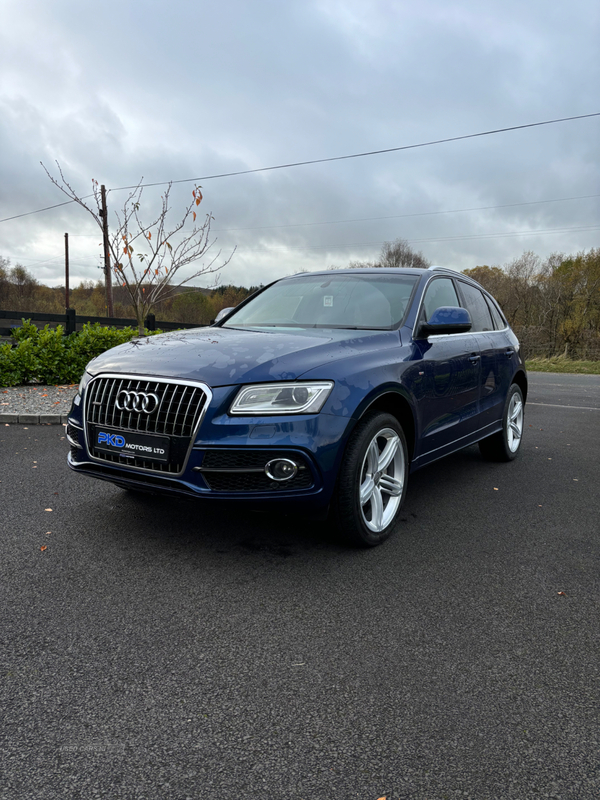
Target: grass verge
column 563, row 365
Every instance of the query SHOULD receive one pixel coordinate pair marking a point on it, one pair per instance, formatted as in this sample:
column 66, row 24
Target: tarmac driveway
column 152, row 649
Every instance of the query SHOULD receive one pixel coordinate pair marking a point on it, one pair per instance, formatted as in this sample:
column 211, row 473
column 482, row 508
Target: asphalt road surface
column 154, row 649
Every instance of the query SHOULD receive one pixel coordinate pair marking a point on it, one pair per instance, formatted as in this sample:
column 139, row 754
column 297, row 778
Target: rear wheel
column 372, row 481
column 505, row 445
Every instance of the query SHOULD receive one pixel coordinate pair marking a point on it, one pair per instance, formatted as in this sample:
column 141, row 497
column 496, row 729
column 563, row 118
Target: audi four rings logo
column 137, row 401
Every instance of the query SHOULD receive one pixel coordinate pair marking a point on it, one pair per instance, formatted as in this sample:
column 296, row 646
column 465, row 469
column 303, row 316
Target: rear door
column 495, row 363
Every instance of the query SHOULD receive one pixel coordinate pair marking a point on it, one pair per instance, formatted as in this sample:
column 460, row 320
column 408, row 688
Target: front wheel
column 505, row 445
column 372, row 480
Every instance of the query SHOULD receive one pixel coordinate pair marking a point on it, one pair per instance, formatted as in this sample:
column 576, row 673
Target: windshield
column 340, row 301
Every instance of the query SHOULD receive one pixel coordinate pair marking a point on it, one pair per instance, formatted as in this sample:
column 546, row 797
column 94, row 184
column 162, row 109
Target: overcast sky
column 117, row 91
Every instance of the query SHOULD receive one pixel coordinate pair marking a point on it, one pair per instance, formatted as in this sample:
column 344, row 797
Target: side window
column 477, row 307
column 440, row 292
column 498, row 321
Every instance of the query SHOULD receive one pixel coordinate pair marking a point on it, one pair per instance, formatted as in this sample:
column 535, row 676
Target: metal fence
column 71, row 321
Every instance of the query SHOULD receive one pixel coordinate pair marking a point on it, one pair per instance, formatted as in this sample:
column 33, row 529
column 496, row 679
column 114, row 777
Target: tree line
column 553, row 304
column 20, row 291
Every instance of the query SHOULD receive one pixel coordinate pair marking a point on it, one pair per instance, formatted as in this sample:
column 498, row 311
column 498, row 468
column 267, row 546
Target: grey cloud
column 125, row 90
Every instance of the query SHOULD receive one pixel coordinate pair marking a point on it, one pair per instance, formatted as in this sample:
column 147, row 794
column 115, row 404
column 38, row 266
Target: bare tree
column 17, row 286
column 146, row 257
column 400, row 254
column 393, row 254
column 523, row 274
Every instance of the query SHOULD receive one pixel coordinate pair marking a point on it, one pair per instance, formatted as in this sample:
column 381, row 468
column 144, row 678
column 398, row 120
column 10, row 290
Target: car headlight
column 282, row 398
column 86, row 378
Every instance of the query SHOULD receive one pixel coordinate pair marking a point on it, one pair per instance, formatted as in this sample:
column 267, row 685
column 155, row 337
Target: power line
column 399, row 216
column 463, row 237
column 325, row 160
column 378, row 219
column 466, row 237
column 369, row 153
column 507, row 234
column 39, row 210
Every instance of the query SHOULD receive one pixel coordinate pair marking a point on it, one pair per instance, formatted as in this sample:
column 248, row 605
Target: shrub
column 11, row 369
column 50, row 357
column 89, row 343
column 52, row 361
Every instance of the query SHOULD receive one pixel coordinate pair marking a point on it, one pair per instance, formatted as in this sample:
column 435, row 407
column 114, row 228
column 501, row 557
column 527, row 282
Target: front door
column 448, row 403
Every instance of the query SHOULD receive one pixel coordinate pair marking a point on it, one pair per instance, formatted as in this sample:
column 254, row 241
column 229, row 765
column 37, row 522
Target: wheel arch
column 395, row 403
column 520, row 378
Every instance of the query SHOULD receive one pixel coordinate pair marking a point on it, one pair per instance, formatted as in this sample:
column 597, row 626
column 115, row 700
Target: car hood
column 225, row 356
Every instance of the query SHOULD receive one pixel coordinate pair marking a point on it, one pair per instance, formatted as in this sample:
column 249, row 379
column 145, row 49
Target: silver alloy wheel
column 382, row 480
column 514, row 422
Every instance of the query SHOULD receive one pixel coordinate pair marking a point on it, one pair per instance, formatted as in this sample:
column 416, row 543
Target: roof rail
column 443, row 269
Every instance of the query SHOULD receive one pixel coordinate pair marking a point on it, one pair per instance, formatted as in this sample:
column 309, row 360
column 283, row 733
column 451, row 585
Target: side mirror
column 446, row 319
column 223, row 313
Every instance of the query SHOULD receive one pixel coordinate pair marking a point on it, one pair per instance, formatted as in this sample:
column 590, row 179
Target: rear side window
column 477, row 307
column 440, row 292
column 498, row 321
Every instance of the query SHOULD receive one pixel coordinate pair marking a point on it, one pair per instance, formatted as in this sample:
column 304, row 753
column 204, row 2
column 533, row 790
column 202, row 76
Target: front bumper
column 227, row 458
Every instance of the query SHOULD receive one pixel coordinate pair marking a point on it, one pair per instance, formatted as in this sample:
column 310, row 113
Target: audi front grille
column 145, row 405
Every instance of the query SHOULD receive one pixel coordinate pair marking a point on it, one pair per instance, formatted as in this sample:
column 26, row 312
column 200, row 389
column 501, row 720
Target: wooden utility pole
column 107, row 275
column 67, row 271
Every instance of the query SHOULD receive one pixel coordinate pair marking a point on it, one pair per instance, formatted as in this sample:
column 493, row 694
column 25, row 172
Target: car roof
column 361, row 271
column 415, row 271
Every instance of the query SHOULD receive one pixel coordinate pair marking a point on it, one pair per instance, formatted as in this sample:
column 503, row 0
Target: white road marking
column 584, row 386
column 554, row 405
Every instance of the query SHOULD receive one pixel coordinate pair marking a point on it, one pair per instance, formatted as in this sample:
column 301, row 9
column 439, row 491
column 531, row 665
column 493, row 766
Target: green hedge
column 50, row 357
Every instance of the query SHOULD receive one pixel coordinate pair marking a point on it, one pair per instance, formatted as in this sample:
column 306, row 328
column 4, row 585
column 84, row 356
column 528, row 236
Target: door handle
column 474, row 358
column 508, row 353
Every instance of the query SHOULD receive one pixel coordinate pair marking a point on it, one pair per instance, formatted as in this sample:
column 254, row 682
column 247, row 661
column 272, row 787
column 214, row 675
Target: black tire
column 506, row 444
column 383, row 477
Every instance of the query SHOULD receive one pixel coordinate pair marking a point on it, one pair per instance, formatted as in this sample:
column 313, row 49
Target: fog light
column 281, row 469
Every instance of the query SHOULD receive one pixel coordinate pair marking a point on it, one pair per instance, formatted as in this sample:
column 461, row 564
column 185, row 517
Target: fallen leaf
column 43, row 547
column 562, row 594
column 496, row 490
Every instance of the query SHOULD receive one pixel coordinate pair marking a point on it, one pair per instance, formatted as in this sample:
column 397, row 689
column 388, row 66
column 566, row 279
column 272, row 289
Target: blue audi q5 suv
column 320, row 393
